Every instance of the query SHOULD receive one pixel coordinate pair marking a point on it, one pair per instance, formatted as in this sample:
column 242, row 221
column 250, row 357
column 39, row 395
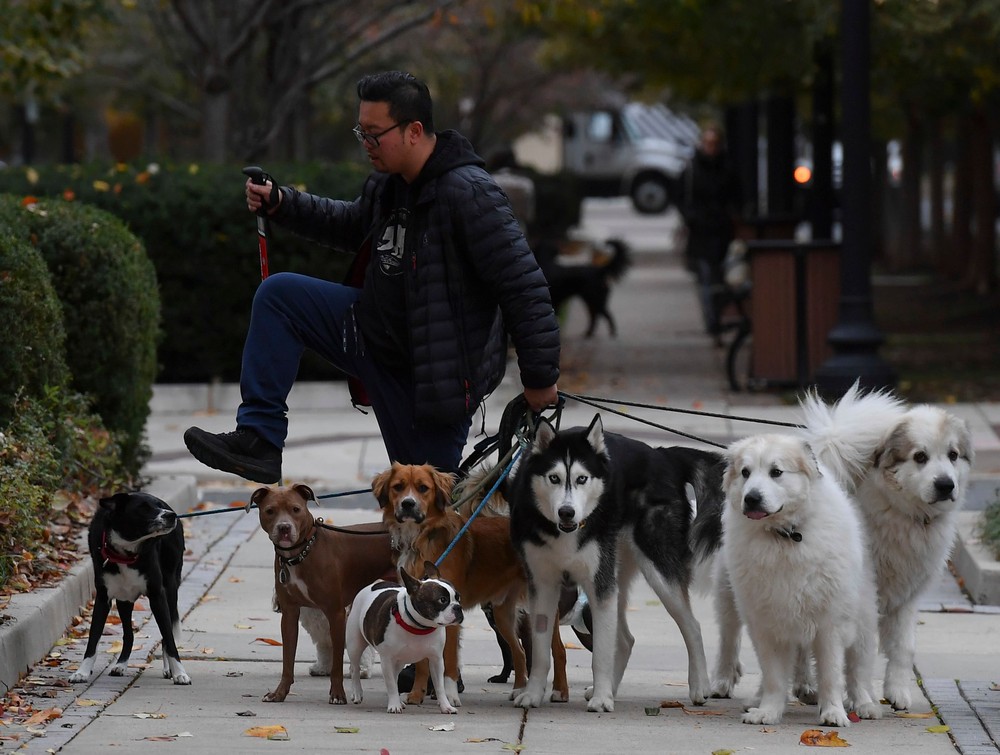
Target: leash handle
column 259, row 177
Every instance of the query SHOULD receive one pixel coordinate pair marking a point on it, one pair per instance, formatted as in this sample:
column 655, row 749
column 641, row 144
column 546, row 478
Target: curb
column 975, row 564
column 39, row 618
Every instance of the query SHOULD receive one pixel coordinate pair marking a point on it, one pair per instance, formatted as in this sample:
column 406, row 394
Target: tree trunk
column 909, row 248
column 215, row 127
column 982, row 264
column 961, row 219
column 936, row 248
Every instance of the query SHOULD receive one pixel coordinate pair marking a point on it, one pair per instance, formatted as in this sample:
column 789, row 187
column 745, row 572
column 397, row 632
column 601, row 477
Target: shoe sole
column 228, row 463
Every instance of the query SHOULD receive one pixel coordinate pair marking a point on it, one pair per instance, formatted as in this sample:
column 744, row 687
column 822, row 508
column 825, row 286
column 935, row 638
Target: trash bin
column 796, row 294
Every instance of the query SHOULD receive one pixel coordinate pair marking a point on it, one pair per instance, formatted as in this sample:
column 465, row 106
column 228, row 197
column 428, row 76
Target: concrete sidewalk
column 661, row 358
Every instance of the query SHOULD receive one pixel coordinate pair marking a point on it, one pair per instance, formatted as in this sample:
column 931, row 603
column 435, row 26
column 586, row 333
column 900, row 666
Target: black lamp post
column 855, row 338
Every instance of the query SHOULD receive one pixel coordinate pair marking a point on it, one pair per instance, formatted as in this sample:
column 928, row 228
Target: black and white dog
column 137, row 548
column 405, row 624
column 595, row 508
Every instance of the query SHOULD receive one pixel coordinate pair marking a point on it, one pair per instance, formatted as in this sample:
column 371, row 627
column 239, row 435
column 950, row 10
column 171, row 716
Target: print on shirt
column 390, row 247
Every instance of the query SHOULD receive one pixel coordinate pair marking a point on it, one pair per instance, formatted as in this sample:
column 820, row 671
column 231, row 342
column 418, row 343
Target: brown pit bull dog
column 317, row 566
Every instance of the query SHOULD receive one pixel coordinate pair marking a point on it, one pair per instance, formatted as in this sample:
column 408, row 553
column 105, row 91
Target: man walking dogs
column 447, row 277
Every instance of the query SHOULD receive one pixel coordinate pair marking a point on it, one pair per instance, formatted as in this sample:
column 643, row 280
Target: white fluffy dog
column 798, row 568
column 909, row 487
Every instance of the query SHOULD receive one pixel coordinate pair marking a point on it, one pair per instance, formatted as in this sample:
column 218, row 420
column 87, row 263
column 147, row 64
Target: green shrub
column 194, row 224
column 33, row 354
column 107, row 288
column 989, row 527
column 54, row 448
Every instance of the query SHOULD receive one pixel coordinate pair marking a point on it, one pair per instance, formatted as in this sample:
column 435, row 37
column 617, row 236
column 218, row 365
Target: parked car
column 636, row 150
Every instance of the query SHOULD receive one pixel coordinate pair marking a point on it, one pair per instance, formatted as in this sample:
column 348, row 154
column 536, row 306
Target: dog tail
column 621, row 259
column 845, row 435
column 480, row 478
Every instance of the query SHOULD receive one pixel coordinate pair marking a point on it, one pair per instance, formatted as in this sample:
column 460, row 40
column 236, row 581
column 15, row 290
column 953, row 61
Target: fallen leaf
column 267, row 732
column 512, row 747
column 818, row 738
column 853, row 717
column 246, row 713
column 149, row 715
column 87, row 703
column 939, row 729
column 476, row 740
column 688, row 711
column 723, row 752
column 243, row 626
column 346, row 729
column 268, row 641
column 442, row 727
column 906, row 714
column 44, row 716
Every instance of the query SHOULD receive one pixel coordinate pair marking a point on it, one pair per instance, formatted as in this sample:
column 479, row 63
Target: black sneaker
column 242, row 452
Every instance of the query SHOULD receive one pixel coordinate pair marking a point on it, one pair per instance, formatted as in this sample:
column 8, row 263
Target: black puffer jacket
column 473, row 279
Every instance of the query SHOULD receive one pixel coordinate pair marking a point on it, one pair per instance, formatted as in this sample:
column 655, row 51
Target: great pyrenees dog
column 909, row 487
column 798, row 571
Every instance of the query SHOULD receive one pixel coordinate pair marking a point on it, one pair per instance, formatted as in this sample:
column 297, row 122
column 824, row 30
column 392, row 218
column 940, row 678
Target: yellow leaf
column 276, row 731
column 723, row 752
column 818, row 738
column 906, row 714
column 87, row 703
column 939, row 729
column 346, row 729
column 268, row 641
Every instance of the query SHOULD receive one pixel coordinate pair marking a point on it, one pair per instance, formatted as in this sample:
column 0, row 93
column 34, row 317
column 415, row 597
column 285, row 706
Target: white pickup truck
column 635, row 150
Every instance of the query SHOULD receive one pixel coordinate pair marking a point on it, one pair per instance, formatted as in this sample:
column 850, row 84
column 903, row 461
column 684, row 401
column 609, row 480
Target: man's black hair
column 409, row 98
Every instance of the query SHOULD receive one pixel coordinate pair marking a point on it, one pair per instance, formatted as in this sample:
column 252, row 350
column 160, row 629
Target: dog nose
column 944, row 487
column 408, row 504
column 753, row 500
column 284, row 528
column 459, row 615
column 566, row 513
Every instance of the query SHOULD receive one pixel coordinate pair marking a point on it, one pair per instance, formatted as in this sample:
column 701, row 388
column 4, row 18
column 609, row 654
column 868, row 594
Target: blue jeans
column 292, row 312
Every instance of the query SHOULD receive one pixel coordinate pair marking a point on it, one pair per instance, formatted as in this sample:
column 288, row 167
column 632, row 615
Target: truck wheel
column 650, row 194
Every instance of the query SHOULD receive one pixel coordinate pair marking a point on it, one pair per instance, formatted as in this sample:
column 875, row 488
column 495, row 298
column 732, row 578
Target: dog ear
column 595, row 434
column 961, row 429
column 430, row 571
column 380, row 486
column 809, row 464
column 258, row 495
column 544, row 434
column 112, row 502
column 444, row 483
column 305, row 491
column 407, row 581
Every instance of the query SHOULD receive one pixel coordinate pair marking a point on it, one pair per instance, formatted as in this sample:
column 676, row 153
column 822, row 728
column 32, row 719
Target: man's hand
column 264, row 195
column 541, row 398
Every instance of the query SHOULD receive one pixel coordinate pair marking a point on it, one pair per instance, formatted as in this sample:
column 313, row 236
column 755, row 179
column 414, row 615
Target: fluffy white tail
column 845, row 435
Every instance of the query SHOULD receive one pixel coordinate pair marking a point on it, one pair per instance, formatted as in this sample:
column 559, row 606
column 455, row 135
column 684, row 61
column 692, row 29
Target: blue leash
column 479, row 508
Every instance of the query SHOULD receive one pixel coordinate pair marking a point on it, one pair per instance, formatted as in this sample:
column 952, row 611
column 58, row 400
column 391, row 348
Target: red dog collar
column 409, row 627
column 112, row 557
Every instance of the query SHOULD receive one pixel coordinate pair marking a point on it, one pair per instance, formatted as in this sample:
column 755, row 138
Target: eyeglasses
column 372, row 139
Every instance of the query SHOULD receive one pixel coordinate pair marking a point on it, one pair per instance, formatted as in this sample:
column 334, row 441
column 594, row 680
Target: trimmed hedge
column 33, row 354
column 106, row 286
column 202, row 241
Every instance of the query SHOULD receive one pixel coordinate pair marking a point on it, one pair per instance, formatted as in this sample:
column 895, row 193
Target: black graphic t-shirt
column 383, row 323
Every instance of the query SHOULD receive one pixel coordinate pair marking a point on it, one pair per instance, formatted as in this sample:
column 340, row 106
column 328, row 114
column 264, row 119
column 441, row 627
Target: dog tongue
column 756, row 514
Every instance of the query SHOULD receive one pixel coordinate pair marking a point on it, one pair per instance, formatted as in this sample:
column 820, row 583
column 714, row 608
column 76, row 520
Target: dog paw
column 601, row 704
column 445, row 708
column 499, row 679
column 119, row 670
column 411, row 698
column 898, row 697
column 869, row 711
column 78, row 677
column 761, row 716
column 318, row 669
column 559, row 696
column 396, row 706
column 699, row 694
column 805, row 694
column 528, row 699
column 588, row 693
column 723, row 688
column 833, row 714
column 274, row 697
column 182, row 679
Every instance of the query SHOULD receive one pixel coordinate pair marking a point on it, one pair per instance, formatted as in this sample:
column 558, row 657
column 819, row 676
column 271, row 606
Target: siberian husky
column 594, row 508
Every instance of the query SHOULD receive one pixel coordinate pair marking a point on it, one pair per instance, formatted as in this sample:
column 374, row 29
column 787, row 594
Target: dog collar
column 110, row 556
column 789, row 534
column 294, row 560
column 411, row 628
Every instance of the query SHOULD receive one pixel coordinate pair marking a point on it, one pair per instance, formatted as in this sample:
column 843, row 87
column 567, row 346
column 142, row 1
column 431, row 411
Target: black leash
column 598, row 403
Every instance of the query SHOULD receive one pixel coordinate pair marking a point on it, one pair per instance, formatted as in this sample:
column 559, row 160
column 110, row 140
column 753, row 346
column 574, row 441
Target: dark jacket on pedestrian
column 470, row 279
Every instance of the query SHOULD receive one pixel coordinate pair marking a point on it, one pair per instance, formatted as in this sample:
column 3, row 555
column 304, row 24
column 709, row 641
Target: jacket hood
column 451, row 151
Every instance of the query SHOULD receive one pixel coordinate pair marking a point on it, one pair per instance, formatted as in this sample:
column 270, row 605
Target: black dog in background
column 591, row 280
column 137, row 547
